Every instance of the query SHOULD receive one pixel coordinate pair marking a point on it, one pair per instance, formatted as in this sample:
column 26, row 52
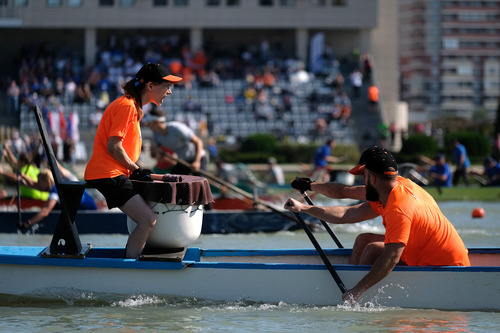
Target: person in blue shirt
column 322, row 157
column 440, row 172
column 46, row 182
column 461, row 161
column 491, row 170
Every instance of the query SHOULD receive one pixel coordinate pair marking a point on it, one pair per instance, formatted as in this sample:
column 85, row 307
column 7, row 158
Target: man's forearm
column 340, row 191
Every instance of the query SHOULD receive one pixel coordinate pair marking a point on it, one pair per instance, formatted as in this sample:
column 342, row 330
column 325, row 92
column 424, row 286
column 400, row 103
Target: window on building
column 127, row 3
column 159, row 3
column 472, row 16
column 230, row 3
column 74, row 3
column 54, row 3
column 434, row 99
column 450, row 43
column 181, row 3
column 464, row 70
column 106, row 3
column 213, row 2
column 20, row 3
column 287, row 3
column 318, row 3
column 339, row 2
column 265, row 2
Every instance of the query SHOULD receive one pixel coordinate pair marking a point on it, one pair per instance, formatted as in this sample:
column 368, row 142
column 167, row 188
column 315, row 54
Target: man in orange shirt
column 417, row 232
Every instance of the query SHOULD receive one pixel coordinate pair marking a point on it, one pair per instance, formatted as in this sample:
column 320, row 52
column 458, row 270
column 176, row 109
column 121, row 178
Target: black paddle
column 327, row 227
column 321, row 253
column 18, row 175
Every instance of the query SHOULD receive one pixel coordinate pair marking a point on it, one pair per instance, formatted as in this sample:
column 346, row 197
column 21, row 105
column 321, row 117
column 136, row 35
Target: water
column 76, row 310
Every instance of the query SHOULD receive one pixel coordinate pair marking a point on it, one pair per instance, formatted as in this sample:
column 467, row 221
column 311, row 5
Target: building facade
column 449, row 57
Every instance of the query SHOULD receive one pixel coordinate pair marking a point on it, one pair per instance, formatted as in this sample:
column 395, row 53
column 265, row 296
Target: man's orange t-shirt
column 412, row 217
column 119, row 119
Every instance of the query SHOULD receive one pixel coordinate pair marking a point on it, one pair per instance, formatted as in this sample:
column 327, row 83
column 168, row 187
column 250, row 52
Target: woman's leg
column 140, row 212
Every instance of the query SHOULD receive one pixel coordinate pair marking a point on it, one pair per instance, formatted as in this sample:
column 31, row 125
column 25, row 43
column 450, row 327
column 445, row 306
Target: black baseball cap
column 378, row 160
column 156, row 73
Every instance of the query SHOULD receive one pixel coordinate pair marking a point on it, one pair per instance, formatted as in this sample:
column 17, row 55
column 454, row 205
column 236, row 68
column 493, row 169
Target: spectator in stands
column 344, row 107
column 356, row 82
column 268, row 79
column 82, row 94
column 373, row 97
column 262, row 108
column 320, row 128
column 117, row 147
column 95, row 117
column 250, row 94
column 393, row 128
column 15, row 143
column 367, row 67
column 336, row 82
column 13, row 93
column 209, row 79
column 212, row 148
column 301, row 76
column 190, row 104
column 440, row 172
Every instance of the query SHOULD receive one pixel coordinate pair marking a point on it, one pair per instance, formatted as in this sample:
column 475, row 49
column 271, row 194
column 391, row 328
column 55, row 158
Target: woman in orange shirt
column 117, row 147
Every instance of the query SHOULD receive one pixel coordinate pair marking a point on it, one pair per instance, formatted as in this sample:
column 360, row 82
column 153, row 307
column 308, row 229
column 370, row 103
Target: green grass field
column 464, row 193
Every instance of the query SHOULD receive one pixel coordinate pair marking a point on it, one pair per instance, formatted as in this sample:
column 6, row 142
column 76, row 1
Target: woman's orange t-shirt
column 119, row 119
column 412, row 217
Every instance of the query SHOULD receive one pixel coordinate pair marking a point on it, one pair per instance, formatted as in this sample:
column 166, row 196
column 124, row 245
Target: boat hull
column 115, row 222
column 291, row 276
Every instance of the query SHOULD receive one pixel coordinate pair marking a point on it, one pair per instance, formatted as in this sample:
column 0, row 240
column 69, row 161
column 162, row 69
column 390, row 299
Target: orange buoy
column 478, row 212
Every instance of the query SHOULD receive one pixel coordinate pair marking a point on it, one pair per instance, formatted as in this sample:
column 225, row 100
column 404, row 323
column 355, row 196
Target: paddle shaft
column 322, row 254
column 18, row 176
column 236, row 189
column 327, row 227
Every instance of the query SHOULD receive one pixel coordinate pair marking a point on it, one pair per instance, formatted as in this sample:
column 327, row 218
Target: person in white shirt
column 275, row 172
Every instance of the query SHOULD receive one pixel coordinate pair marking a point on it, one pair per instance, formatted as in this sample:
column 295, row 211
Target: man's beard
column 371, row 193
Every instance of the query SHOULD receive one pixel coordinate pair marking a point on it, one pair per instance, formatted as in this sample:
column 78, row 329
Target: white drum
column 176, row 225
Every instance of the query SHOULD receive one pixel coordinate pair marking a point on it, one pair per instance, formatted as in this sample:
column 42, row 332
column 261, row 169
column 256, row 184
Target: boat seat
column 169, row 255
column 66, row 240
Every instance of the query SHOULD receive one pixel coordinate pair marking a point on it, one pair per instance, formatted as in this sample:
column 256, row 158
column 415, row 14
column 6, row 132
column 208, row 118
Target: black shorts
column 117, row 191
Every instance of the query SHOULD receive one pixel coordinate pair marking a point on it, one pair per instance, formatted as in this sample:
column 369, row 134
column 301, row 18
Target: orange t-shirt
column 373, row 93
column 413, row 218
column 119, row 119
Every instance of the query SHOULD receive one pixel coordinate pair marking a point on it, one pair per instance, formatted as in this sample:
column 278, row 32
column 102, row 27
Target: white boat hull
column 291, row 276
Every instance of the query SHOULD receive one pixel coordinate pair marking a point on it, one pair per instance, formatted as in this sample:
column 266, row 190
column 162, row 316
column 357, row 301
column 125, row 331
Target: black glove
column 168, row 178
column 302, row 184
column 141, row 174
